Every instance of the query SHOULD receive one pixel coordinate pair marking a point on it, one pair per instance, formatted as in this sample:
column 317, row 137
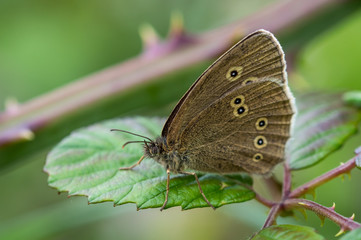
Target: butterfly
column 236, row 117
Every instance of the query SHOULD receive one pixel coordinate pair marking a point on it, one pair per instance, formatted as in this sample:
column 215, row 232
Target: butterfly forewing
column 255, row 57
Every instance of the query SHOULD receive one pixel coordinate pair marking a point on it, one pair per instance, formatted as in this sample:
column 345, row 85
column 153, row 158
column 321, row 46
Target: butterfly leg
column 134, row 165
column 200, row 189
column 167, row 190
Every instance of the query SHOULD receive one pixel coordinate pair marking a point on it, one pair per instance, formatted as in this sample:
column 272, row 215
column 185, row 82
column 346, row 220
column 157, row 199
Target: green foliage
column 287, row 232
column 353, row 98
column 88, row 162
column 323, row 123
column 353, row 235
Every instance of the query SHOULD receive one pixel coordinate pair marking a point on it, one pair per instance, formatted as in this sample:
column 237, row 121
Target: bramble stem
column 344, row 222
column 287, row 181
column 290, row 199
column 178, row 52
column 264, row 201
column 271, row 218
column 342, row 169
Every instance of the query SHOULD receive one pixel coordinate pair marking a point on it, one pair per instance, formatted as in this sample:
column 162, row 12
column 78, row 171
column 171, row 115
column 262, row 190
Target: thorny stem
column 287, row 180
column 342, row 169
column 271, row 218
column 264, row 201
column 344, row 222
column 290, row 200
column 181, row 50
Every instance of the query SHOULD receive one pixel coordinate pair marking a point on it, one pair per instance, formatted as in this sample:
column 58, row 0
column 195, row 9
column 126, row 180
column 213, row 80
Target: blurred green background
column 46, row 44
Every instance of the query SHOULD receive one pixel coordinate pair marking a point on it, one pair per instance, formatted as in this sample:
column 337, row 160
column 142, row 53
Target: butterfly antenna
column 131, row 142
column 131, row 134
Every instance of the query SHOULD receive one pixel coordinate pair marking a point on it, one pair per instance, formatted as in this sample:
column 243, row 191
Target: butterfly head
column 154, row 149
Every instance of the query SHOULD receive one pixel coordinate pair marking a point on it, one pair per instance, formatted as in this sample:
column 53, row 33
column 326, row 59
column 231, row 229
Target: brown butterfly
column 236, row 117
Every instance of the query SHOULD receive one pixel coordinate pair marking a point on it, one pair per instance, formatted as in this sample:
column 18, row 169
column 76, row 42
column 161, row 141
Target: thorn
column 313, row 193
column 302, row 203
column 176, row 24
column 352, row 217
column 333, row 207
column 149, row 36
column 223, row 185
column 342, row 230
column 303, row 212
column 322, row 218
column 26, row 134
column 348, row 174
column 358, row 150
column 12, row 105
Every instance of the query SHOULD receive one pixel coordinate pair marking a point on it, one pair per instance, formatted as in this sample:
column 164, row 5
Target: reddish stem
column 271, row 218
column 290, row 200
column 179, row 52
column 342, row 169
column 287, row 181
column 264, row 201
column 344, row 222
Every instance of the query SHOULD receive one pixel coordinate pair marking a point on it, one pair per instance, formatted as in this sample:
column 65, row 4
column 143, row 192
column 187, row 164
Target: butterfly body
column 172, row 159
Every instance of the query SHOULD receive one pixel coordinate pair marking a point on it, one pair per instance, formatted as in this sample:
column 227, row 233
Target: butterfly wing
column 247, row 128
column 255, row 57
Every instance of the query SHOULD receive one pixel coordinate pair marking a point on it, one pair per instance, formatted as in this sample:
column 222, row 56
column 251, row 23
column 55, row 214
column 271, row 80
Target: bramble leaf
column 287, row 232
column 352, row 235
column 323, row 123
column 87, row 163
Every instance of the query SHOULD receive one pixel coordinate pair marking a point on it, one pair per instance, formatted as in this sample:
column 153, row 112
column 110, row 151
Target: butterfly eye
column 249, row 80
column 234, row 73
column 260, row 142
column 261, row 123
column 237, row 101
column 257, row 157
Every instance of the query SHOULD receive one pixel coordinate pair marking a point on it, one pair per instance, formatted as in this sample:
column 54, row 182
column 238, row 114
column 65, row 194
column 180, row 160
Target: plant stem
column 344, row 222
column 271, row 218
column 264, row 201
column 287, row 181
column 342, row 169
column 181, row 51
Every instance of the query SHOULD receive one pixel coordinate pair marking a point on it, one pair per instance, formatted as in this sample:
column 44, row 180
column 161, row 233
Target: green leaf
column 287, row 232
column 353, row 235
column 88, row 161
column 353, row 98
column 323, row 123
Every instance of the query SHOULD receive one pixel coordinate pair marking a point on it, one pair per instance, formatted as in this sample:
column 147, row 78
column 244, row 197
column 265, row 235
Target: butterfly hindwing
column 246, row 126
